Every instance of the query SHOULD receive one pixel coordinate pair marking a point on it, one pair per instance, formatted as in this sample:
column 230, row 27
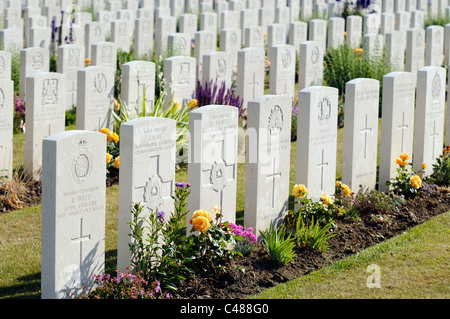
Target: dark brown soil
column 352, row 236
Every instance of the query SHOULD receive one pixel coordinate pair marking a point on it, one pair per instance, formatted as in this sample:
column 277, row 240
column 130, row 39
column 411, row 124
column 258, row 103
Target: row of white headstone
column 73, row 203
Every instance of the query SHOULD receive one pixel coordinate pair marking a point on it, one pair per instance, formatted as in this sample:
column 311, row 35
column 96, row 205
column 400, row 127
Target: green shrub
column 376, row 202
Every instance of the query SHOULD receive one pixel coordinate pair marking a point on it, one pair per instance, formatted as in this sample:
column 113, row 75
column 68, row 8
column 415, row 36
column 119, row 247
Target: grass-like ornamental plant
column 312, row 235
column 279, row 246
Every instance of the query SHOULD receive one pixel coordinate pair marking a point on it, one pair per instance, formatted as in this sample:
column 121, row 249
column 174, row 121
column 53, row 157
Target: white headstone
column 93, row 32
column 317, row 31
column 104, row 54
column 179, row 44
column 120, row 35
column 95, row 94
column 298, row 33
column 415, row 50
column 6, row 127
column 397, row 123
column 336, row 31
column 395, row 50
column 250, row 78
column 429, row 117
column 267, row 161
column 359, row 163
column 282, row 71
column 44, row 115
column 212, row 168
column 71, row 58
column 5, row 65
column 435, row 45
column 311, row 64
column 180, row 76
column 147, row 174
column 316, row 140
column 32, row 60
column 164, row 26
column 143, row 37
column 73, row 212
column 216, row 67
column 138, row 77
column 354, row 31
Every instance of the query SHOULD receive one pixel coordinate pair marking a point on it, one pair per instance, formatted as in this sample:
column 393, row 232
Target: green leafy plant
column 160, row 247
column 407, row 182
column 279, row 246
column 311, row 235
column 441, row 169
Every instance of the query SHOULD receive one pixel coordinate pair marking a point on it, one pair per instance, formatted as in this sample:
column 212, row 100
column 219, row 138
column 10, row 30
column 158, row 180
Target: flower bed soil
column 352, row 236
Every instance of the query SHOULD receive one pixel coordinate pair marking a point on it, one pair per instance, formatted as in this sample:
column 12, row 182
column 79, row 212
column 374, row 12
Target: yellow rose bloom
column 424, row 165
column 113, row 137
column 192, row 103
column 416, row 182
column 338, row 183
column 400, row 162
column 405, row 156
column 326, row 199
column 108, row 157
column 116, row 163
column 347, row 191
column 300, row 190
column 104, row 130
column 203, row 213
column 200, row 223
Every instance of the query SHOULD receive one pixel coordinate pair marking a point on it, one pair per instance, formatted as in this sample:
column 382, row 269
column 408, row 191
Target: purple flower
column 161, row 216
column 180, row 184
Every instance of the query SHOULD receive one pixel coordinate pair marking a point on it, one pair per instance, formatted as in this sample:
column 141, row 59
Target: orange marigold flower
column 113, row 137
column 108, row 157
column 104, row 130
column 405, row 156
column 87, row 61
column 116, row 163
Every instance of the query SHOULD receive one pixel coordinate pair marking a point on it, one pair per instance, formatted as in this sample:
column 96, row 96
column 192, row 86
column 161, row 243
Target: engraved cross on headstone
column 155, row 189
column 365, row 130
column 322, row 165
column 273, row 176
column 254, row 84
column 219, row 172
column 433, row 136
column 79, row 240
column 402, row 127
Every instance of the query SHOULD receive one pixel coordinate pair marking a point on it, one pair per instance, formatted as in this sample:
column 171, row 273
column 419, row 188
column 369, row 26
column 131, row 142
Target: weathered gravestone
column 6, row 127
column 216, row 67
column 316, row 140
column 359, row 163
column 180, row 77
column 354, row 31
column 73, row 212
column 282, row 71
column 267, row 161
column 93, row 32
column 104, row 54
column 71, row 58
column 435, row 45
column 32, row 60
column 212, row 168
column 429, row 117
column 5, row 65
column 397, row 123
column 44, row 115
column 415, row 50
column 143, row 37
column 95, row 94
column 138, row 78
column 147, row 174
column 311, row 64
column 250, row 78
